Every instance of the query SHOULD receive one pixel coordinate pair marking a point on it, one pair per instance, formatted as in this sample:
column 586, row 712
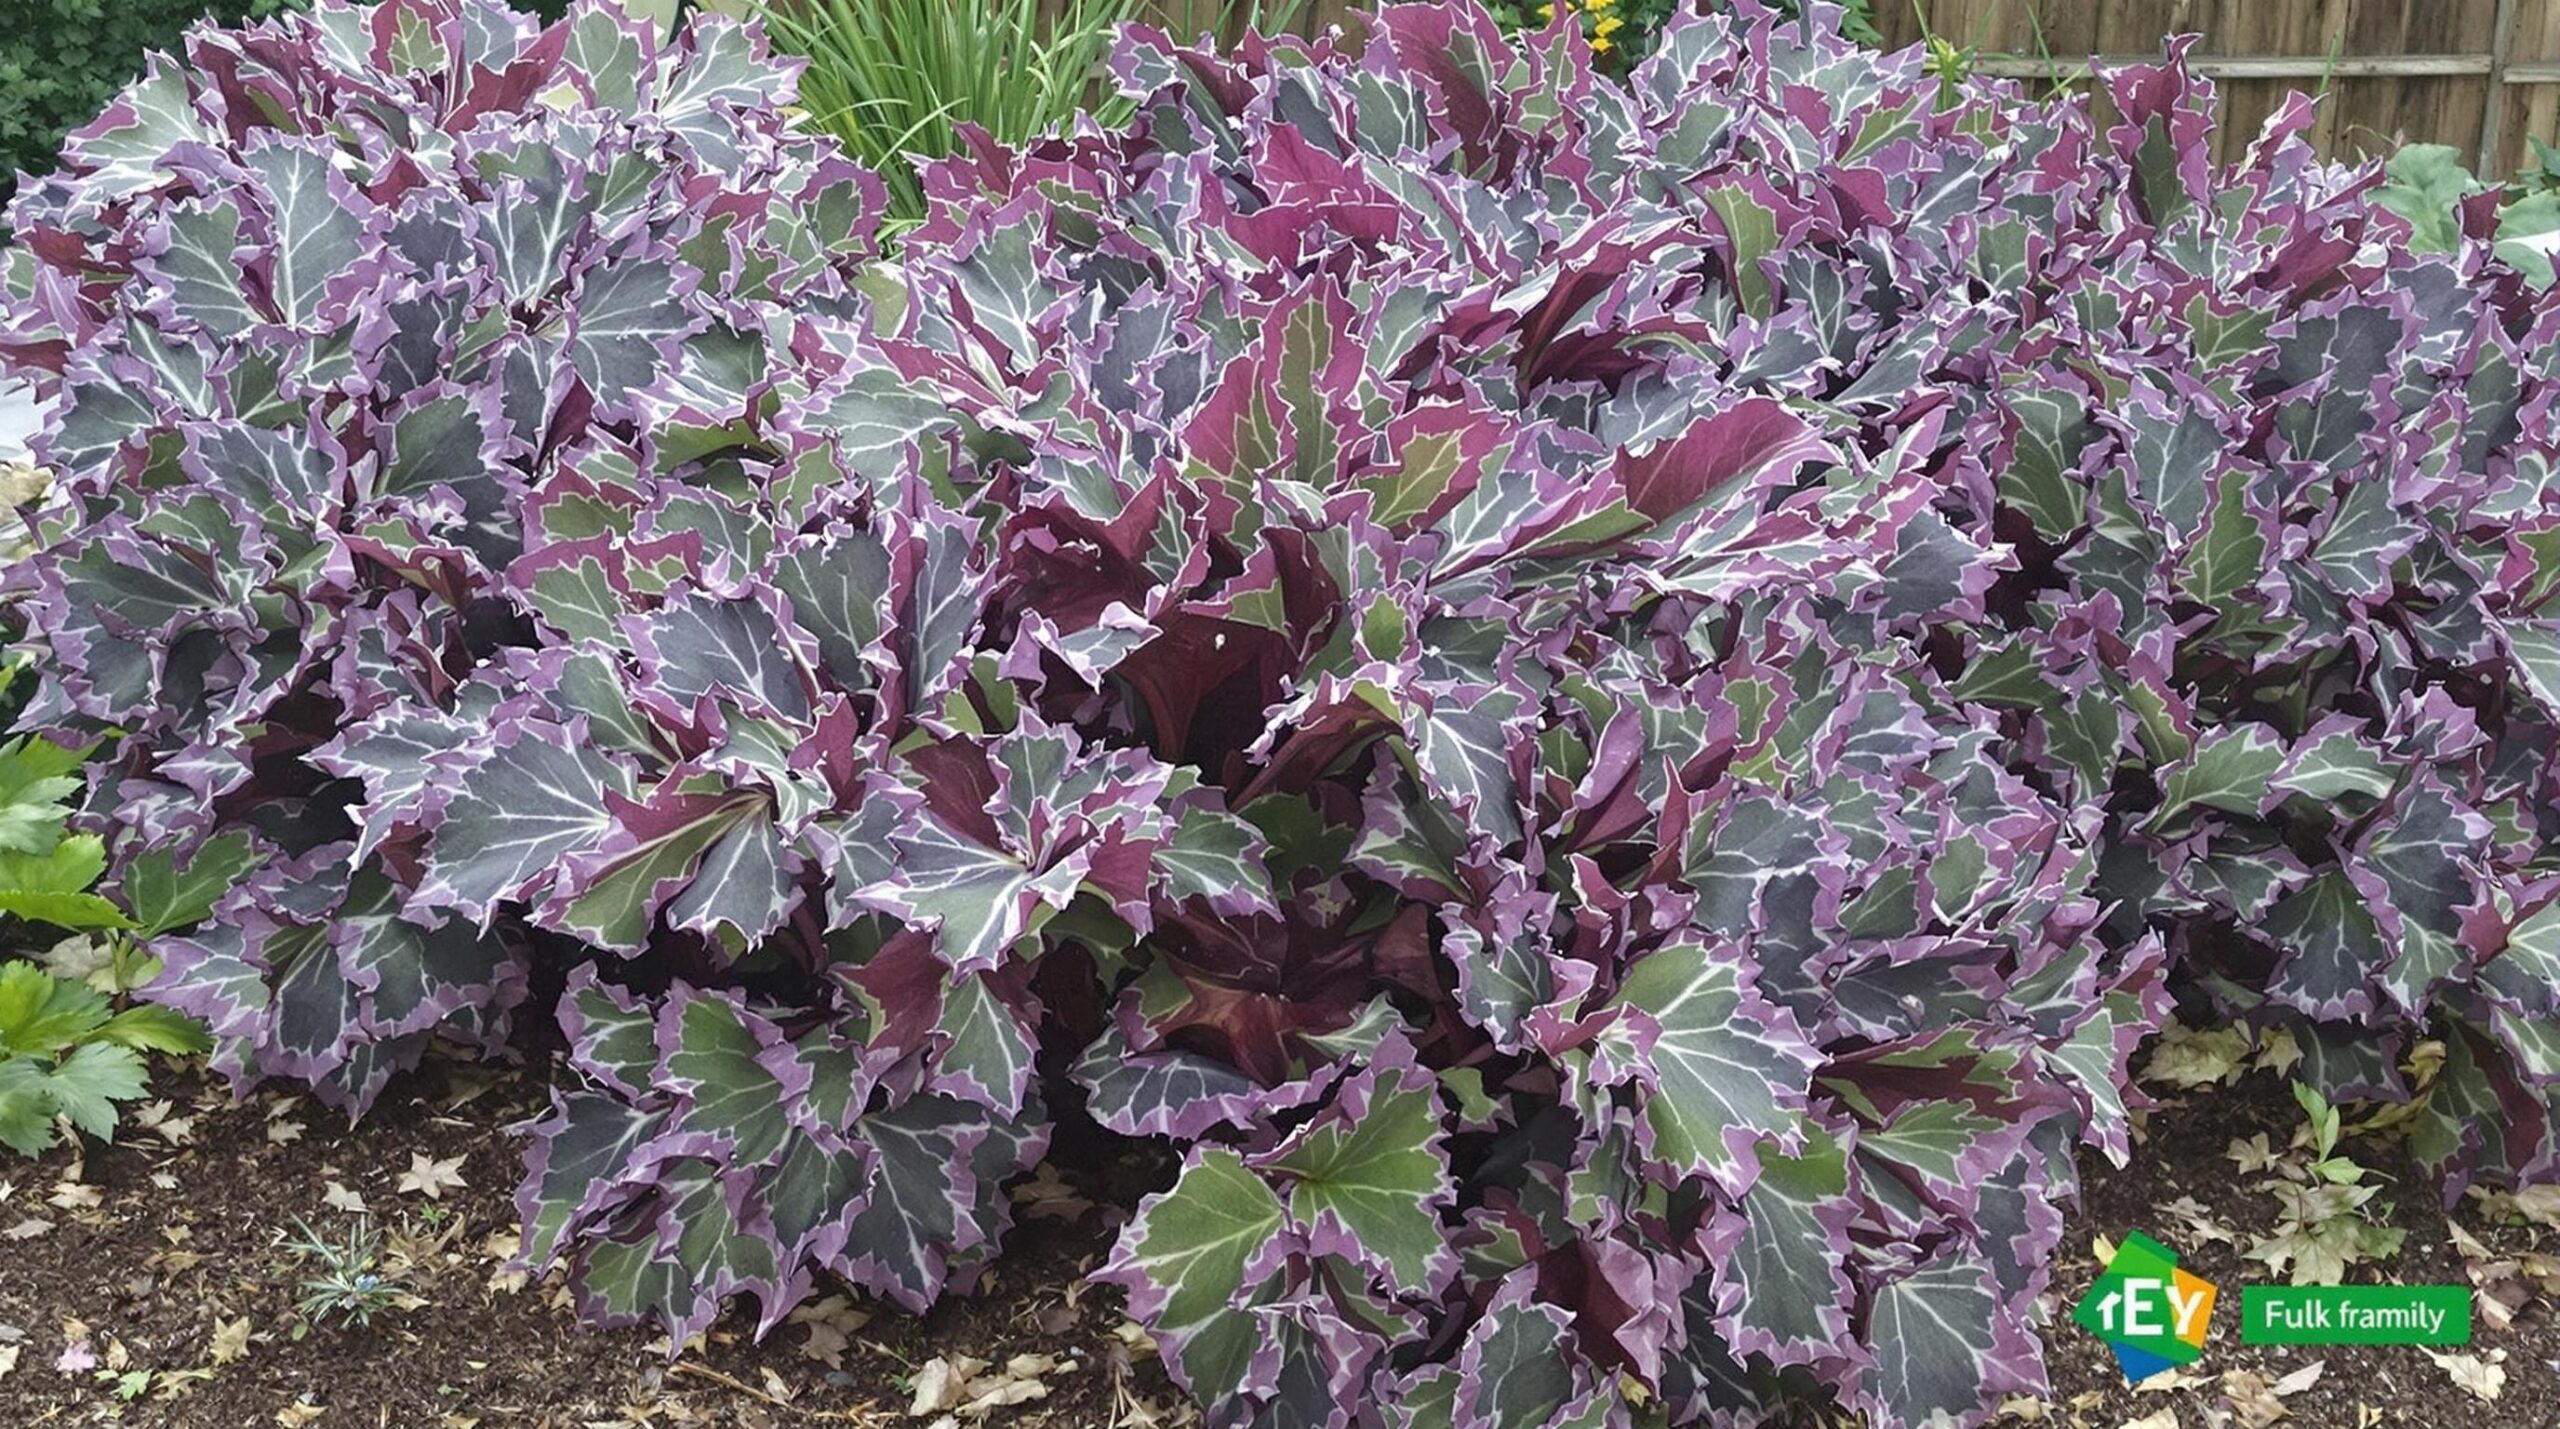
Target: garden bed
column 1595, row 718
column 164, row 1279
column 128, row 1282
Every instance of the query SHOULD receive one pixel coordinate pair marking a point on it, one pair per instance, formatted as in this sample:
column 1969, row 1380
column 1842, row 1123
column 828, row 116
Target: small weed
column 2323, row 1226
column 353, row 1282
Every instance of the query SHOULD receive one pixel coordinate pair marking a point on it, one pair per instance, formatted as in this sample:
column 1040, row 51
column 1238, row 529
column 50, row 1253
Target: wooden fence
column 2480, row 75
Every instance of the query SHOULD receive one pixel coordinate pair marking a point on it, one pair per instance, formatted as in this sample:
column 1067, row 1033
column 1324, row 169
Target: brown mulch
column 128, row 1279
column 2182, row 1158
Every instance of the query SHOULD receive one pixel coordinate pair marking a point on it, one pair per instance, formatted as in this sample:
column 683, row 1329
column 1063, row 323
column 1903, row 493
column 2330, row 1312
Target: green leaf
column 715, row 1064
column 41, row 1014
column 1218, row 857
column 53, row 886
column 989, row 1047
column 1791, row 1263
column 1724, row 1075
column 2053, row 430
column 981, row 900
column 1753, row 231
column 163, row 897
column 35, row 777
column 156, row 1029
column 2232, row 551
column 1194, row 1244
column 617, row 908
column 2535, row 651
column 1931, row 1139
column 2424, row 182
column 1425, row 468
column 1514, row 1372
column 1379, row 1174
column 1933, row 1329
column 26, row 1112
column 2337, row 763
column 2524, row 229
column 2231, row 771
column 89, row 1082
column 80, row 912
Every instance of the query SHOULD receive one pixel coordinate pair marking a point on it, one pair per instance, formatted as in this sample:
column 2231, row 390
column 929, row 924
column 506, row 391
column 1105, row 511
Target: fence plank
column 2481, row 75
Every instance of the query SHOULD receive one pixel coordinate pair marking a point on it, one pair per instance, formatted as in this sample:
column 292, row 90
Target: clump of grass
column 895, row 80
column 353, row 1282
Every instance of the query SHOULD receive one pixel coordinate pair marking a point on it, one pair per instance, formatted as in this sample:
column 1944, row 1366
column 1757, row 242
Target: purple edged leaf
column 1720, row 1068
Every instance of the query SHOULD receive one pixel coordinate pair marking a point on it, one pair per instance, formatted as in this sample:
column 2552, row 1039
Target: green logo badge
column 2151, row 1313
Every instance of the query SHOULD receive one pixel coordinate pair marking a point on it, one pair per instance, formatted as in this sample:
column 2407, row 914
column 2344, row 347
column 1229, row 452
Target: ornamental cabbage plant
column 1610, row 704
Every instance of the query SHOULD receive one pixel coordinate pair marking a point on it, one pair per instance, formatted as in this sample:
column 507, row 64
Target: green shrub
column 62, row 60
column 66, row 1054
column 2425, row 183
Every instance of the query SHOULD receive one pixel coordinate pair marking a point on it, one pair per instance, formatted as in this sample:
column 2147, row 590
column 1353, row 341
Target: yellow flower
column 1606, row 26
column 1547, row 14
column 1597, row 6
column 1600, row 45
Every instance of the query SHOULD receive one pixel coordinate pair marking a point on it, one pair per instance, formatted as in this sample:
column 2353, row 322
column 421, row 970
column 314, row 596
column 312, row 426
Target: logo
column 2151, row 1313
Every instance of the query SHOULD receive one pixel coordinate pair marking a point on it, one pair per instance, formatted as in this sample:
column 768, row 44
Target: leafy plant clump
column 1607, row 702
column 66, row 1058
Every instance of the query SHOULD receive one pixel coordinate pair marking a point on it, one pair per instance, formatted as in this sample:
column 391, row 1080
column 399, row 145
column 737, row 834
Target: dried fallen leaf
column 1048, row 1196
column 2189, row 1057
column 157, row 1119
column 935, row 1387
column 27, row 1229
column 2253, row 1406
column 831, row 1323
column 339, row 1198
column 77, row 1355
column 72, row 1196
column 2483, row 1377
column 1003, row 1394
column 2278, row 1051
column 2169, row 1381
column 2252, row 1156
column 2298, row 1381
column 431, row 1178
column 230, row 1340
column 283, row 1131
column 2158, row 1419
column 776, row 1386
column 8, row 1360
column 298, row 1414
column 2538, row 1204
column 2197, row 1222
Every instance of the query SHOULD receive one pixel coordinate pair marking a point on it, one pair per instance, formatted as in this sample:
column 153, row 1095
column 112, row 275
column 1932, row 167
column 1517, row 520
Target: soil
column 129, row 1279
column 2183, row 1159
column 120, row 1274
